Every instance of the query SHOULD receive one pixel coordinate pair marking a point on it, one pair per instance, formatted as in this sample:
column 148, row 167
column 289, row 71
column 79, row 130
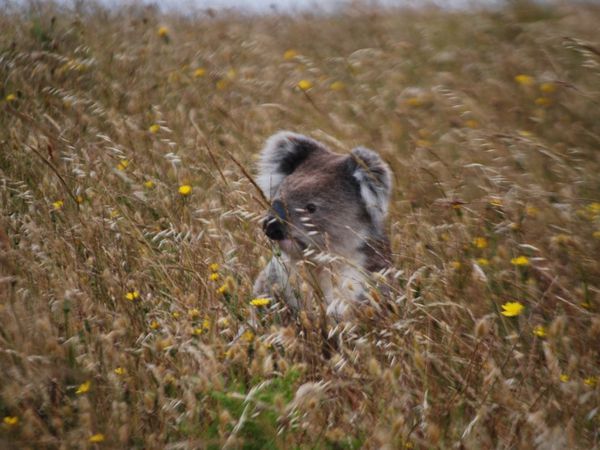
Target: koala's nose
column 274, row 225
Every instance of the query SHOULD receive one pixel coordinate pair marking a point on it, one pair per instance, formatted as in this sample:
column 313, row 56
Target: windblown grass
column 130, row 231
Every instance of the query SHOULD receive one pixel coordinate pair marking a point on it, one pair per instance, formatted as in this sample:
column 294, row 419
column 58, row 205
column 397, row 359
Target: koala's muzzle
column 274, row 225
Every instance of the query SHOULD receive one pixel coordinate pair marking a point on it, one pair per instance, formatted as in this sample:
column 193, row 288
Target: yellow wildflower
column 337, row 86
column 590, row 381
column 414, row 101
column 548, row 87
column 193, row 313
column 483, row 261
column 480, row 242
column 539, row 331
column 149, row 184
column 223, row 322
column 231, row 74
column 247, row 336
column 525, row 80
column 543, row 101
column 10, row 421
column 199, row 72
column 564, row 377
column 531, row 211
column 596, row 234
column 185, row 189
column 83, row 388
column 154, row 128
column 512, row 309
column 305, row 85
column 154, row 325
column 593, row 208
column 222, row 84
column 290, row 54
column 471, row 123
column 213, row 276
column 213, row 267
column 10, row 98
column 58, row 204
column 163, row 31
column 224, row 289
column 120, row 371
column 260, row 301
column 197, row 331
column 123, row 164
column 132, row 295
column 175, row 314
column 96, row 438
column 520, row 261
column 79, row 199
column 455, row 265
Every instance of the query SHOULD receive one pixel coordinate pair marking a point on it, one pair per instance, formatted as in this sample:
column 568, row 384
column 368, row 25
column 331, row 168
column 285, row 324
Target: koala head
column 321, row 199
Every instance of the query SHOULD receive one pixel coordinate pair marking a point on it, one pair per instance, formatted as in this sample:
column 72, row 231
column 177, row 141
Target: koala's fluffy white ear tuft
column 282, row 153
column 375, row 180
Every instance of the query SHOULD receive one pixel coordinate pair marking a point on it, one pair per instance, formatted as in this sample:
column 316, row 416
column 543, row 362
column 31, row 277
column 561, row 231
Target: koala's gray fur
column 328, row 209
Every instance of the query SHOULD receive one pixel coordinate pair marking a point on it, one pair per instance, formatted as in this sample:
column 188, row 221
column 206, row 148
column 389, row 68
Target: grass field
column 130, row 231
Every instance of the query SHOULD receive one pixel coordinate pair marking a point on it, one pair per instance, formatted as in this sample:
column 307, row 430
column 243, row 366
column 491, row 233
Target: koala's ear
column 375, row 180
column 281, row 155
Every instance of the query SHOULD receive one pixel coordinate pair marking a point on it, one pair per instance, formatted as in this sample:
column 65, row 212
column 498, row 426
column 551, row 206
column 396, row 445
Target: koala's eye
column 311, row 208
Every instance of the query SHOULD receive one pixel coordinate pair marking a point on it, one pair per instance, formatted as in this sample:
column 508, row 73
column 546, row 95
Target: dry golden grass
column 116, row 331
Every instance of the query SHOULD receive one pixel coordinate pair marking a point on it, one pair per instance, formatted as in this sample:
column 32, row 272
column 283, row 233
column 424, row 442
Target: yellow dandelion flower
column 193, row 313
column 10, row 98
column 175, row 314
column 512, row 309
column 154, row 128
column 414, row 101
column 58, row 204
column 224, row 289
column 206, row 324
column 154, row 325
column 564, row 377
column 590, row 381
column 471, row 123
column 247, row 336
column 480, row 242
column 132, row 295
column 539, row 331
column 455, row 265
column 163, row 31
column 543, row 101
column 593, row 208
column 525, row 80
column 113, row 213
column 213, row 276
column 222, row 84
column 305, row 85
column 185, row 189
column 123, row 164
column 258, row 302
column 197, row 331
column 548, row 87
column 290, row 54
column 120, row 371
column 10, row 421
column 483, row 261
column 520, row 261
column 96, row 438
column 337, row 86
column 199, row 72
column 83, row 388
column 213, row 267
column 149, row 184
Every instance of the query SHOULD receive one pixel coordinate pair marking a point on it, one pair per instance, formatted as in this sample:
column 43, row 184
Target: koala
column 327, row 210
